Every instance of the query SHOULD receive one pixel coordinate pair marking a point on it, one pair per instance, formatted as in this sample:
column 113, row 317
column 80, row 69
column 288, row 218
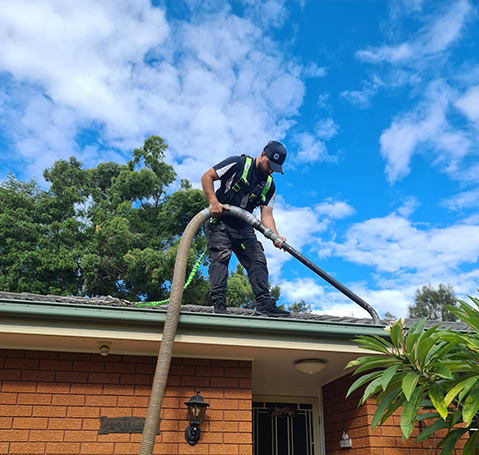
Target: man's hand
column 216, row 209
column 277, row 244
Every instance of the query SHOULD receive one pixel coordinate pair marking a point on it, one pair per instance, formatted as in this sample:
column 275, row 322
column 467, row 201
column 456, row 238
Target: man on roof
column 247, row 183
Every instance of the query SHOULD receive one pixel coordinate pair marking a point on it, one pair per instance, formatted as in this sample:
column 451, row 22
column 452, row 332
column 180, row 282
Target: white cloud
column 409, row 206
column 299, row 225
column 326, row 129
column 395, row 245
column 362, row 98
column 438, row 35
column 469, row 104
column 313, row 70
column 312, row 147
column 121, row 70
column 464, row 200
column 425, row 128
column 334, row 209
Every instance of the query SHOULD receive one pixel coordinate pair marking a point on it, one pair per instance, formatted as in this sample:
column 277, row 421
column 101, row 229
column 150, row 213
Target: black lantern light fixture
column 196, row 412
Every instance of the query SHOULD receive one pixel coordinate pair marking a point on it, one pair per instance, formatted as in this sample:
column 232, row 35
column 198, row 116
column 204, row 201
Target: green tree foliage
column 432, row 374
column 110, row 230
column 239, row 293
column 300, row 307
column 389, row 315
column 431, row 303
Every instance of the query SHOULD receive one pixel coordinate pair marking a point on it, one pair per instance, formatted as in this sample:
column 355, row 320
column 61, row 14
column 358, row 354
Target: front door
column 284, row 428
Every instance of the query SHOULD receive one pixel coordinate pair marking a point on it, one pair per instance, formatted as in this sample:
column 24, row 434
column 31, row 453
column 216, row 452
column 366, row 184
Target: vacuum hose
column 152, row 421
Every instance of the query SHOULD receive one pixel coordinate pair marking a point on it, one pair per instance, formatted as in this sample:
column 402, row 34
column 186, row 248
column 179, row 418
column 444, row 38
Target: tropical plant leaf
column 401, row 399
column 396, row 336
column 388, row 375
column 437, row 397
column 372, row 388
column 443, row 372
column 411, row 340
column 457, row 388
column 471, row 405
column 361, row 361
column 470, row 444
column 449, row 442
column 363, row 380
column 383, row 405
column 424, row 348
column 436, row 426
column 409, row 412
column 409, row 384
column 383, row 363
column 427, row 415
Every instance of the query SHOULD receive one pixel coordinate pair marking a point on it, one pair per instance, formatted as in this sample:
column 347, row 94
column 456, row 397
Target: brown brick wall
column 51, row 403
column 343, row 414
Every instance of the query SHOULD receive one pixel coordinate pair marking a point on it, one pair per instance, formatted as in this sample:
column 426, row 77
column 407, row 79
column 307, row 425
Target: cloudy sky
column 376, row 102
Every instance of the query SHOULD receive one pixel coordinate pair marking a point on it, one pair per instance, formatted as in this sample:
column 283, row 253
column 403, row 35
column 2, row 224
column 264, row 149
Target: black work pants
column 252, row 258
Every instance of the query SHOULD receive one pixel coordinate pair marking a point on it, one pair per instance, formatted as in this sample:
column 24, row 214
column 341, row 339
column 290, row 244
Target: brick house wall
column 343, row 414
column 51, row 403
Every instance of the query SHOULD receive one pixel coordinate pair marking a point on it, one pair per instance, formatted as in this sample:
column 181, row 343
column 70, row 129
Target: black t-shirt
column 229, row 171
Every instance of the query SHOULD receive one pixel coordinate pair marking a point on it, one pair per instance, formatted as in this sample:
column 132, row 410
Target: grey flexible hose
column 152, row 421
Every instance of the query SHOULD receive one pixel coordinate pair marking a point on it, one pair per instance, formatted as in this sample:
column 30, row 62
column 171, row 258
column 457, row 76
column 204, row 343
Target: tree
column 389, row 315
column 433, row 374
column 431, row 303
column 110, row 230
column 239, row 293
column 300, row 307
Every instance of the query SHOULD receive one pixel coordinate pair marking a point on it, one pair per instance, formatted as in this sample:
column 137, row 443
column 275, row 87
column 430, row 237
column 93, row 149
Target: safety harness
column 242, row 185
column 258, row 195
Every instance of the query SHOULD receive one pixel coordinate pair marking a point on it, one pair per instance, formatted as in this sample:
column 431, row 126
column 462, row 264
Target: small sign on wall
column 122, row 425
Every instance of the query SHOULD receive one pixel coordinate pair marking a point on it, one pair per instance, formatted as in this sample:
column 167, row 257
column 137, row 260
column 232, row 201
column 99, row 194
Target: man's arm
column 268, row 220
column 207, row 182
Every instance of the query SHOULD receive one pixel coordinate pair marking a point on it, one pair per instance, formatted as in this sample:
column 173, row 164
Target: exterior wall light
column 310, row 366
column 103, row 348
column 196, row 412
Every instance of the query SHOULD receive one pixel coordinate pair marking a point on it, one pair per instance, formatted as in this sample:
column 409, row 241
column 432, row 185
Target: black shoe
column 271, row 311
column 219, row 308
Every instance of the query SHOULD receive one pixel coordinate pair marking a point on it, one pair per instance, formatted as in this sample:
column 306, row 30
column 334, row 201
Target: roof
column 108, row 301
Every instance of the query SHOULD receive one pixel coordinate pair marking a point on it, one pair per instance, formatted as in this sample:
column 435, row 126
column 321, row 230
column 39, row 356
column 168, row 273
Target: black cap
column 276, row 153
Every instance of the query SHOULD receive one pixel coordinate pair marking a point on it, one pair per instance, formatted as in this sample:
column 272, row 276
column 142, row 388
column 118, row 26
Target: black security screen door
column 282, row 429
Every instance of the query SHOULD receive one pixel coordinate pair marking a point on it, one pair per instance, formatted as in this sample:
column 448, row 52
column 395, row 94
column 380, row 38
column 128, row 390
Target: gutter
column 49, row 311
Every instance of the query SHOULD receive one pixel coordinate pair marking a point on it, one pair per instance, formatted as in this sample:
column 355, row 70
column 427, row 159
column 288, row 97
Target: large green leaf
column 450, row 441
column 388, row 375
column 363, row 380
column 443, row 372
column 409, row 412
column 409, row 384
column 457, row 388
column 382, row 363
column 383, row 405
column 437, row 397
column 424, row 348
column 411, row 340
column 466, row 390
column 373, row 388
column 436, row 426
column 372, row 344
column 471, row 405
column 470, row 447
column 396, row 336
column 400, row 400
column 361, row 361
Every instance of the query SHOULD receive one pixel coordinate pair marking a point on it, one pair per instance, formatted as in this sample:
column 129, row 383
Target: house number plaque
column 122, row 425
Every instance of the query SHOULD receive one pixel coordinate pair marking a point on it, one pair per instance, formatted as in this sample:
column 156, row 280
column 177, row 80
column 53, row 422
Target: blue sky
column 376, row 102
